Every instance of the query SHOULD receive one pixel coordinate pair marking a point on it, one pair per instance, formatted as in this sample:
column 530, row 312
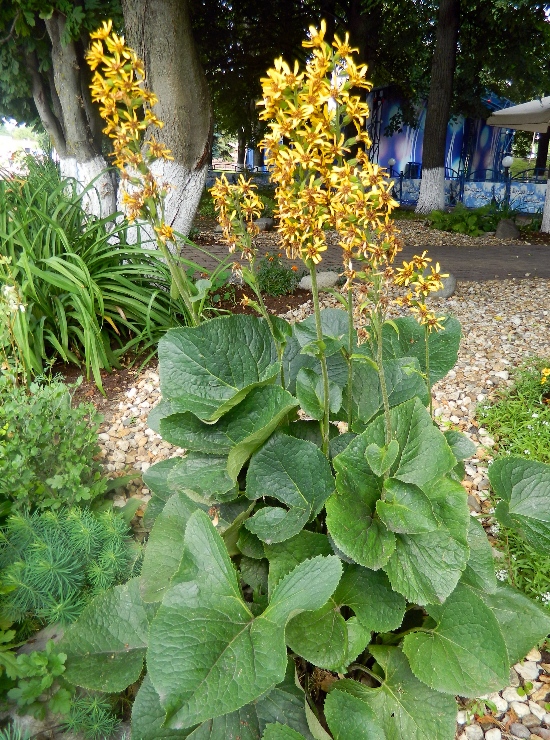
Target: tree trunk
column 432, row 186
column 80, row 158
column 542, row 151
column 545, row 226
column 241, row 147
column 161, row 35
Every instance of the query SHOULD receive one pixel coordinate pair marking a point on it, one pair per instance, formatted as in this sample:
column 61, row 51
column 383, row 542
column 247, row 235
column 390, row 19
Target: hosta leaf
column 425, row 568
column 106, row 646
column 321, row 637
column 465, row 652
column 411, row 341
column 285, row 556
column 480, row 571
column 203, row 478
column 522, row 621
column 406, row 509
column 403, row 380
column 237, row 434
column 208, row 655
column 403, row 706
column 156, row 479
column 296, row 473
column 310, row 393
column 524, row 487
column 350, row 718
column 210, row 368
column 165, row 547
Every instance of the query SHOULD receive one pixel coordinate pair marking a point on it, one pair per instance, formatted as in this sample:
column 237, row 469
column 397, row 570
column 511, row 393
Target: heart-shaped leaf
column 239, row 433
column 210, row 368
column 207, row 653
column 462, row 447
column 406, row 509
column 400, row 703
column 285, row 556
column 349, row 717
column 203, row 478
column 524, row 487
column 426, row 567
column 465, row 652
column 381, row 459
column 294, row 472
column 311, row 395
column 480, row 571
column 106, row 646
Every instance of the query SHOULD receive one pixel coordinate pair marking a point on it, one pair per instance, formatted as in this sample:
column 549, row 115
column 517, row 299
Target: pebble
column 520, row 731
column 522, row 710
column 474, row 732
column 542, row 732
column 528, row 670
column 511, row 696
column 493, row 734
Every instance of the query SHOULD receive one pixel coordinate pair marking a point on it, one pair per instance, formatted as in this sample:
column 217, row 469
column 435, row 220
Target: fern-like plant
column 54, row 562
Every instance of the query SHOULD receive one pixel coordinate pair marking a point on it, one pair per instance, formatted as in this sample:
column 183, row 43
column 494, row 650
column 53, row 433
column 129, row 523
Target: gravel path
column 503, row 322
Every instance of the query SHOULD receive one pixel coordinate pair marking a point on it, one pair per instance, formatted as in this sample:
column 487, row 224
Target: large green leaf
column 406, row 509
column 294, row 361
column 106, row 646
column 203, row 478
column 311, row 395
column 524, row 487
column 239, row 433
column 426, row 567
column 165, row 547
column 334, row 324
column 403, row 381
column 411, row 341
column 285, row 556
column 284, row 703
column 281, row 732
column 465, row 652
column 462, row 447
column 210, row 368
column 480, row 571
column 156, row 479
column 350, row 718
column 321, row 637
column 294, row 472
column 522, row 621
column 403, row 706
column 207, row 654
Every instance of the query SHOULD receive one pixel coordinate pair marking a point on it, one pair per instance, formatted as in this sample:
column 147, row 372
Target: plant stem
column 350, row 352
column 180, row 280
column 360, row 667
column 322, row 358
column 427, row 336
column 265, row 314
column 381, row 375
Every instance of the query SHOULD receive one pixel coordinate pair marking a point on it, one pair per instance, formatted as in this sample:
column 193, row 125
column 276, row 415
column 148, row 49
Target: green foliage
column 471, row 221
column 89, row 295
column 274, row 277
column 53, row 563
column 47, row 447
column 92, row 716
column 362, row 561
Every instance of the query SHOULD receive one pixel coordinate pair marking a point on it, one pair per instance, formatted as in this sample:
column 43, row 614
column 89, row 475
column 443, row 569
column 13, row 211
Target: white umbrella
column 531, row 116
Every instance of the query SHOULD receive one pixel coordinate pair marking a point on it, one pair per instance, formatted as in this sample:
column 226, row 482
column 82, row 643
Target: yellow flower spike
column 165, row 233
column 316, row 38
column 104, row 31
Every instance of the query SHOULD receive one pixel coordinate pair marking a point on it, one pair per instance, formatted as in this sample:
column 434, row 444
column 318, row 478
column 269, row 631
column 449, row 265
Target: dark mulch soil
column 536, row 237
column 275, row 305
column 114, row 384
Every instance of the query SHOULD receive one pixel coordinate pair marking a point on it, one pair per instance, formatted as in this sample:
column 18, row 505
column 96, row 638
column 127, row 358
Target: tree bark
column 40, row 96
column 542, row 151
column 160, row 32
column 432, row 186
column 80, row 158
column 241, row 147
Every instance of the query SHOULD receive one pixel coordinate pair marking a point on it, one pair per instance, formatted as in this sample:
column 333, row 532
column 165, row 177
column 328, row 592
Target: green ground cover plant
column 519, row 420
column 471, row 221
column 48, row 447
column 280, row 547
column 53, row 563
column 275, row 278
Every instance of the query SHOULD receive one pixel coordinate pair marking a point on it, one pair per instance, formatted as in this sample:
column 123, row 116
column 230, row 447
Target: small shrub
column 47, row 447
column 471, row 221
column 54, row 562
column 93, row 717
column 275, row 278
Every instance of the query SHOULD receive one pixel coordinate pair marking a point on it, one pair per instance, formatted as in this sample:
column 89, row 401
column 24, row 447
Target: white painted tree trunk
column 545, row 226
column 93, row 177
column 432, row 191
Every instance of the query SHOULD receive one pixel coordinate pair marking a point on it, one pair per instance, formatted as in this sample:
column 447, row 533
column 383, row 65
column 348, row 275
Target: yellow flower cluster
column 317, row 150
column 414, row 274
column 118, row 85
column 237, row 206
column 544, row 375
